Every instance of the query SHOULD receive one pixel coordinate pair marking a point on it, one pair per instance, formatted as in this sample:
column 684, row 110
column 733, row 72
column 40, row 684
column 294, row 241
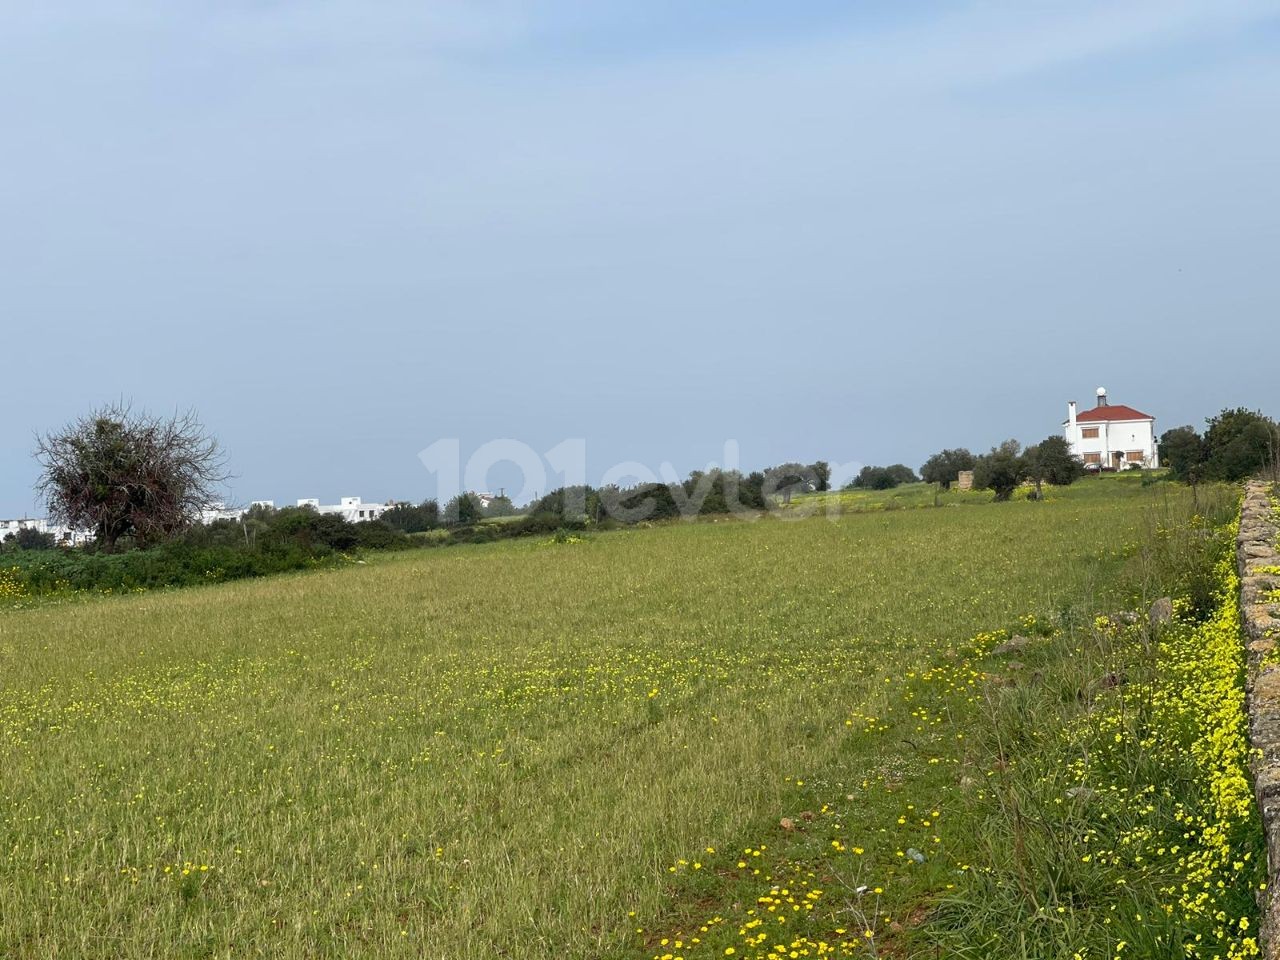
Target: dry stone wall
column 1259, row 562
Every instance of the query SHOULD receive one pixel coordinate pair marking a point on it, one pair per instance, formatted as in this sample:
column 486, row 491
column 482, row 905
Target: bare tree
column 123, row 473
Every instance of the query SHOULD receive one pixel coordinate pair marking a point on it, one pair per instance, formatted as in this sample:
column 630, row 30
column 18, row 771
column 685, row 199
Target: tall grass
column 1117, row 819
column 534, row 749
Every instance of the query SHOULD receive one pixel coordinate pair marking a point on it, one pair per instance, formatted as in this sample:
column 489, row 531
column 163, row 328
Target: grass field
column 609, row 748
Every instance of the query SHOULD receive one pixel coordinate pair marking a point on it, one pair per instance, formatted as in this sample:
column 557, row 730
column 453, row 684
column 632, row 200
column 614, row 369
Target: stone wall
column 1256, row 550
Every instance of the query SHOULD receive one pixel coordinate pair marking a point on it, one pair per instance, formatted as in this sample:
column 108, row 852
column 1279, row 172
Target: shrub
column 883, row 478
column 29, row 538
column 462, row 509
column 1182, row 451
column 308, row 529
column 1001, row 470
column 378, row 535
column 1051, row 461
column 944, row 467
column 175, row 564
column 411, row 518
column 1237, row 444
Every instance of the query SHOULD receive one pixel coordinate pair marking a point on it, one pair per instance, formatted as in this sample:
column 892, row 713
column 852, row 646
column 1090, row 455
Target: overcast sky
column 342, row 230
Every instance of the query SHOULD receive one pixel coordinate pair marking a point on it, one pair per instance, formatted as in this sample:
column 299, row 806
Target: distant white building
column 63, row 535
column 1111, row 436
column 352, row 509
column 220, row 511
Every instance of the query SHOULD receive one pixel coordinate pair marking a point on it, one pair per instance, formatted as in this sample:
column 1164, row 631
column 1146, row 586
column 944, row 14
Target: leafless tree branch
column 123, row 473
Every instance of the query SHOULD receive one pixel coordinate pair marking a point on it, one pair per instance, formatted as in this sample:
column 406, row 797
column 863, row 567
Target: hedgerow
column 32, row 574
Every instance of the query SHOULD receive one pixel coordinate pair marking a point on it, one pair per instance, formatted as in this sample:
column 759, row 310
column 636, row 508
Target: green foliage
column 177, row 564
column 788, row 479
column 1240, row 443
column 377, row 535
column 1237, row 444
column 304, row 527
column 264, row 541
column 500, row 507
column 572, row 503
column 413, row 518
column 1051, row 461
column 462, row 509
column 725, row 491
column 883, row 478
column 943, row 467
column 704, row 493
column 29, row 538
column 1001, row 470
column 1182, row 452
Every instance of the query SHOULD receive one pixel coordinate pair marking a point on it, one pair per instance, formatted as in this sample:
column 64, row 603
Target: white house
column 220, row 511
column 1111, row 436
column 63, row 535
column 352, row 509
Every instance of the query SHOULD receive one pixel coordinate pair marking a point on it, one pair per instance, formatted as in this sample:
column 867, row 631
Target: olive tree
column 1051, row 461
column 943, row 467
column 1001, row 470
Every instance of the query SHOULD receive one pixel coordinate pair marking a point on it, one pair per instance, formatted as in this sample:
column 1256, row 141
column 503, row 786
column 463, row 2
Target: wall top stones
column 1258, row 557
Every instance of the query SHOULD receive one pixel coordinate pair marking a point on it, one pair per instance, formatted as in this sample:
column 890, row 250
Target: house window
column 1088, row 433
column 1093, row 458
column 1134, row 456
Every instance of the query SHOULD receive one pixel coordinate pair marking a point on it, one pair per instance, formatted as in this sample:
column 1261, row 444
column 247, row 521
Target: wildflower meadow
column 920, row 732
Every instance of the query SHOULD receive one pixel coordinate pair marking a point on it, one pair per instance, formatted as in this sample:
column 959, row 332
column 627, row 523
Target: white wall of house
column 1133, row 441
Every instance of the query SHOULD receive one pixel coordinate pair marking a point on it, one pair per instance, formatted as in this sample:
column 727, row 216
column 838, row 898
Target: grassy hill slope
column 521, row 750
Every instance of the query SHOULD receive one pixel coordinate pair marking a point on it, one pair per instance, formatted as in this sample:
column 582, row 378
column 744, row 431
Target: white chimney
column 1102, row 396
column 1072, row 438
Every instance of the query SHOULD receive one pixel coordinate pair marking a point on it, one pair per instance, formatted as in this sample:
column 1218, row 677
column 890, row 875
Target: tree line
column 1002, row 470
column 139, row 482
column 703, row 493
column 1236, row 444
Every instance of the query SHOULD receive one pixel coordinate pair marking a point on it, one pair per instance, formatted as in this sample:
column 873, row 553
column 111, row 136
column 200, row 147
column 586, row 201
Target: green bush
column 172, row 565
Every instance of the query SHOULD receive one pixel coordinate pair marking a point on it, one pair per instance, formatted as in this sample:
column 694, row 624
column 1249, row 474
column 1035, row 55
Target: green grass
column 509, row 750
column 915, row 495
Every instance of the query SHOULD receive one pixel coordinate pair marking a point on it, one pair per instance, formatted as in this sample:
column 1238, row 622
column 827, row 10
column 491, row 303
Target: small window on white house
column 1089, row 433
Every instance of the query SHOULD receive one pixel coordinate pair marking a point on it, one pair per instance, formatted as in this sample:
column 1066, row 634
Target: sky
column 343, row 231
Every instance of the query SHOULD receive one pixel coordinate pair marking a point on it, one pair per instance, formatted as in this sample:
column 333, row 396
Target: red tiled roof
column 1114, row 411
